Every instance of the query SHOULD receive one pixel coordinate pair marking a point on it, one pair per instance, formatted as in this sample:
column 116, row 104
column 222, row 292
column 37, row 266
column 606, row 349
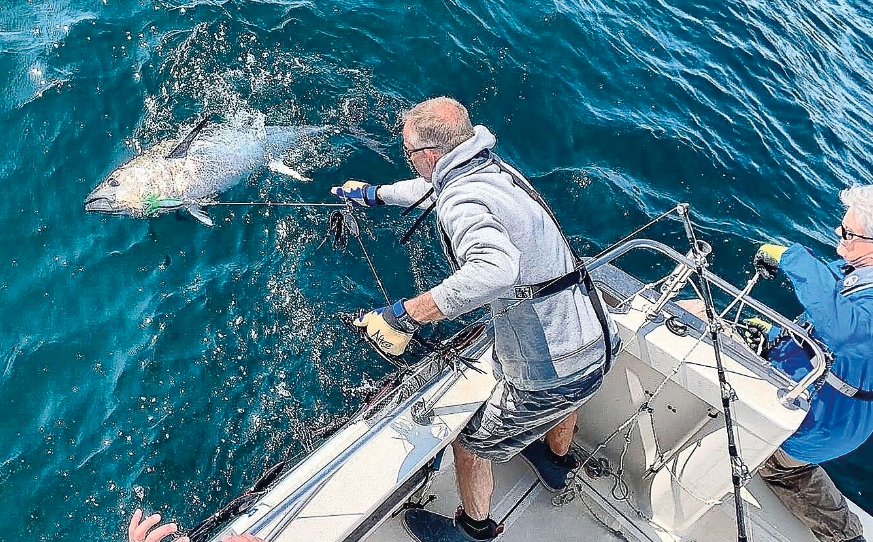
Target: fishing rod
column 739, row 470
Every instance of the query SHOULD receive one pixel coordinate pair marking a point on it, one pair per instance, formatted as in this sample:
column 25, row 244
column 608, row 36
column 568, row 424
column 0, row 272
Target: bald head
column 439, row 122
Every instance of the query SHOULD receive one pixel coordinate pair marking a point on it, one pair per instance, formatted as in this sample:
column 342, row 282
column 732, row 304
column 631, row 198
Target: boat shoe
column 426, row 526
column 553, row 474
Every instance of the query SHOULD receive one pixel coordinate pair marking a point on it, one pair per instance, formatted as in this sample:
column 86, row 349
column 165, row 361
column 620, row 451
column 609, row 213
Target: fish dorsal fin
column 180, row 150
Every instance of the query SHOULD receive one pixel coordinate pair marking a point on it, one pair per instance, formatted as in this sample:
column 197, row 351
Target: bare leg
column 475, row 483
column 560, row 437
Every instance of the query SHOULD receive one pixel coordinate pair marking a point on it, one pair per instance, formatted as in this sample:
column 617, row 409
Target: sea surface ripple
column 164, row 364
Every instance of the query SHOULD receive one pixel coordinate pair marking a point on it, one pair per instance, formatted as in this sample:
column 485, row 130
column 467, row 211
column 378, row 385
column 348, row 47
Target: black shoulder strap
column 415, row 225
column 447, row 245
column 599, row 310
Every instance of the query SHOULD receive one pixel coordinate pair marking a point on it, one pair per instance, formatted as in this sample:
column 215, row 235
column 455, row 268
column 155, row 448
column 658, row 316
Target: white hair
column 440, row 122
column 860, row 198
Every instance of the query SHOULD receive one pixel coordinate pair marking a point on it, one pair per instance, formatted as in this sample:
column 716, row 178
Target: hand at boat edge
column 389, row 328
column 148, row 530
column 139, row 530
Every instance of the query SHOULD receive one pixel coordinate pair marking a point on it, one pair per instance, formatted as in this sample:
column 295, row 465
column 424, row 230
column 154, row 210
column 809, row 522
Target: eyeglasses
column 848, row 235
column 410, row 152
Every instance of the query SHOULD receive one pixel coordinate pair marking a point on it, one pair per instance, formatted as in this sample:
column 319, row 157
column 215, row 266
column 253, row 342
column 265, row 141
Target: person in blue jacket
column 838, row 302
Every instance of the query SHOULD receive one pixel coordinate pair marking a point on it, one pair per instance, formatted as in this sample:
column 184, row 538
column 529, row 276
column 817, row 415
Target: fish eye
column 113, row 182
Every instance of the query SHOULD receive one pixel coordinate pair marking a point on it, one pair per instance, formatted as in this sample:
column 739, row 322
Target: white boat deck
column 596, row 516
column 674, row 461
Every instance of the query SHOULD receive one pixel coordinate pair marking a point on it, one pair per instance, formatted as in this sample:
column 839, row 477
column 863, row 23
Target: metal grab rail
column 818, row 360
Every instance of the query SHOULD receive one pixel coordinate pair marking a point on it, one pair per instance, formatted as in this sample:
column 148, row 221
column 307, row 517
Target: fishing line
column 347, row 213
column 350, row 224
column 357, row 234
column 271, row 204
column 658, row 218
column 738, row 467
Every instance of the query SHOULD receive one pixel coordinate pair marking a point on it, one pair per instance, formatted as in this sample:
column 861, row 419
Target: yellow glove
column 389, row 329
column 767, row 260
column 763, row 326
column 759, row 335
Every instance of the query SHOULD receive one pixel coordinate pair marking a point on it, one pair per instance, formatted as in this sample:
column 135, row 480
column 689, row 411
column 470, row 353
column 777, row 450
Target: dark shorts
column 513, row 418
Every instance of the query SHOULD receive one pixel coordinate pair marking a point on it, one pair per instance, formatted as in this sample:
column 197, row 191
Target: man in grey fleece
column 506, row 250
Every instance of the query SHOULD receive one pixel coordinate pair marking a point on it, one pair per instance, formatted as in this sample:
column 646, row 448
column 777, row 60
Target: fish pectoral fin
column 199, row 213
column 278, row 166
column 170, row 203
column 180, row 150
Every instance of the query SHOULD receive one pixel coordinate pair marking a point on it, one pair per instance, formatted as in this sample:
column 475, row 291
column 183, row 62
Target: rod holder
column 679, row 277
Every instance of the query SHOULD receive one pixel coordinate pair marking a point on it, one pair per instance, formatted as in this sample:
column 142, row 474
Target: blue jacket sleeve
column 835, row 316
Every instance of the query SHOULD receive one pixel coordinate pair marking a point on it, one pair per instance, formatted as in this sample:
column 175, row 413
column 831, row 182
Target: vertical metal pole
column 726, row 391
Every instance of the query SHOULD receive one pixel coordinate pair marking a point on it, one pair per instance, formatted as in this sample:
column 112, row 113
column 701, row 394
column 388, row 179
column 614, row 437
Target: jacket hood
column 451, row 165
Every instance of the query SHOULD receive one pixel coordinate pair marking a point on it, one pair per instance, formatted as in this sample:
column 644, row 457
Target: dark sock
column 485, row 529
column 567, row 461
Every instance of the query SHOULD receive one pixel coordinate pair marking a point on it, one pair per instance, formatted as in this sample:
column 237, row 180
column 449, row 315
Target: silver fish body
column 192, row 171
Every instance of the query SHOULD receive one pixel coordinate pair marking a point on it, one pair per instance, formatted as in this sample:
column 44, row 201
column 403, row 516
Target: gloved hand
column 759, row 335
column 389, row 328
column 358, row 192
column 767, row 260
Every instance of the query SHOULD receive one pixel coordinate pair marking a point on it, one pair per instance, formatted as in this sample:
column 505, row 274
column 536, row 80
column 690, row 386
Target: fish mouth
column 98, row 204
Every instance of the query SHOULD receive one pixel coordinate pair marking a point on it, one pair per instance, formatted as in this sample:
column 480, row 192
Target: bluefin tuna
column 188, row 173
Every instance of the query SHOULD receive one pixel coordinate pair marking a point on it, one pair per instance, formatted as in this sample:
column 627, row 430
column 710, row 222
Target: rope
column 372, row 267
column 355, row 229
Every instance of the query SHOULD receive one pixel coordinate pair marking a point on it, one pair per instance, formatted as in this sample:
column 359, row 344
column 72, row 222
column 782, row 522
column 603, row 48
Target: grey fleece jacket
column 500, row 238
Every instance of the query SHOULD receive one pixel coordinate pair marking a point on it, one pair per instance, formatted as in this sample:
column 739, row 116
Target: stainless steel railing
column 818, row 361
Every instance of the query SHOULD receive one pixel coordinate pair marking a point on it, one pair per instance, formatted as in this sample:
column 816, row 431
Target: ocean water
column 163, row 364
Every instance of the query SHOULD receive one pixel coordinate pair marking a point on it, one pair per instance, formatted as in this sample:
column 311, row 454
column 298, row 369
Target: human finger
column 134, row 523
column 162, row 532
column 143, row 528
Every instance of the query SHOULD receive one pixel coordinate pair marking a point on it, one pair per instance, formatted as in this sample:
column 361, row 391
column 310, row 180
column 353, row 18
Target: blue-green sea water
column 161, row 363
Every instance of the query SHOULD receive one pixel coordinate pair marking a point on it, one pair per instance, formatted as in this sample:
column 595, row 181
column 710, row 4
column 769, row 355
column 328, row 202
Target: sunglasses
column 848, row 235
column 410, row 152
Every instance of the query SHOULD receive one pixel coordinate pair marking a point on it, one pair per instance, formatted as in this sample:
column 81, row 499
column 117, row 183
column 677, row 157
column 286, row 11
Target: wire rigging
column 345, row 222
